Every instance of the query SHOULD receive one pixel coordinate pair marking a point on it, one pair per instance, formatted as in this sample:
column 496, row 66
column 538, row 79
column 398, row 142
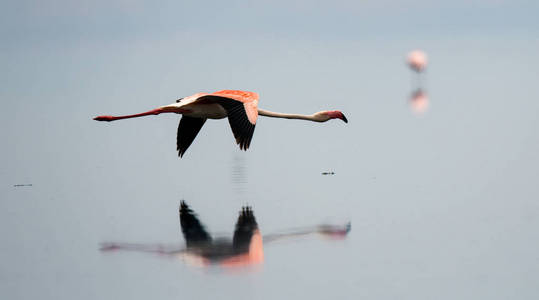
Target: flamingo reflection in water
column 419, row 101
column 245, row 248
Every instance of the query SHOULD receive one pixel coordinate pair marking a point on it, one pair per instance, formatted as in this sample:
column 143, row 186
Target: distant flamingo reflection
column 419, row 101
column 245, row 248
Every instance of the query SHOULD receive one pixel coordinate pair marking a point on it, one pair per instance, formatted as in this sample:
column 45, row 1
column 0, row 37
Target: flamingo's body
column 241, row 108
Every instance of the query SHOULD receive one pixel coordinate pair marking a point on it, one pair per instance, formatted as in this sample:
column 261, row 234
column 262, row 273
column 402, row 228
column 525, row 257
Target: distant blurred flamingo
column 241, row 108
column 417, row 60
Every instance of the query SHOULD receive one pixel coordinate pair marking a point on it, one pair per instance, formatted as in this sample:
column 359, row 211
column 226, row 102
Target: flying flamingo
column 241, row 108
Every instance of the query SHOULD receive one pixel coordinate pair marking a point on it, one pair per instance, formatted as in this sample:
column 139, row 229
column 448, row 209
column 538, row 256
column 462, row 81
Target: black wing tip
column 246, row 226
column 246, row 215
column 188, row 129
column 243, row 145
column 244, row 141
column 181, row 151
column 184, row 208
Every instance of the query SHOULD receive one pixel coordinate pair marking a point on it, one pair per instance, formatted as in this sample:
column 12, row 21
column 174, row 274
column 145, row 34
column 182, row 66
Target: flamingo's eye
column 178, row 101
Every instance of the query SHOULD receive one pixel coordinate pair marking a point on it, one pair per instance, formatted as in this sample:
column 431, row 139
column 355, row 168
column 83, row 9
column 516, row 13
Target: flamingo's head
column 324, row 116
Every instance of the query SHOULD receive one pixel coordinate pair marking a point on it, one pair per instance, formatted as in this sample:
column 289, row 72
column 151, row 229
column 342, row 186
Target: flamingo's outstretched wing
column 245, row 228
column 187, row 131
column 193, row 232
column 241, row 116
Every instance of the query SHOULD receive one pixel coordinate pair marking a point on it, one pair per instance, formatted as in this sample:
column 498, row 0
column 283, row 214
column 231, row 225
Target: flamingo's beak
column 344, row 119
column 104, row 118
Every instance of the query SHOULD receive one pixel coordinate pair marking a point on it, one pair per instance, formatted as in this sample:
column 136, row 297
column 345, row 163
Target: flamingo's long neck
column 272, row 114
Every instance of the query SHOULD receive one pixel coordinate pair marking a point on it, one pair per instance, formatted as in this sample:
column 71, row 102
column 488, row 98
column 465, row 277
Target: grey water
column 443, row 204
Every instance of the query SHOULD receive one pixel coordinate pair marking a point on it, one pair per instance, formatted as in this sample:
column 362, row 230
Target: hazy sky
column 443, row 205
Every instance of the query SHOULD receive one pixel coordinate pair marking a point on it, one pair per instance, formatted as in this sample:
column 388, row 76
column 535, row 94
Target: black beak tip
column 344, row 119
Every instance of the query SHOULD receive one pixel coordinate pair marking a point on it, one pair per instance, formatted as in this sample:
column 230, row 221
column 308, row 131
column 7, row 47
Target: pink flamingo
column 241, row 108
column 417, row 60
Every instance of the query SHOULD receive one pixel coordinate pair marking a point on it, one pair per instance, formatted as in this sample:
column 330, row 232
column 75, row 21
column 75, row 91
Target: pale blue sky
column 71, row 21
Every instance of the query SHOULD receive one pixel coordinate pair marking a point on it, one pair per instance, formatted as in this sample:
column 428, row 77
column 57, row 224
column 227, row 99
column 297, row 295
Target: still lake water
column 443, row 205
